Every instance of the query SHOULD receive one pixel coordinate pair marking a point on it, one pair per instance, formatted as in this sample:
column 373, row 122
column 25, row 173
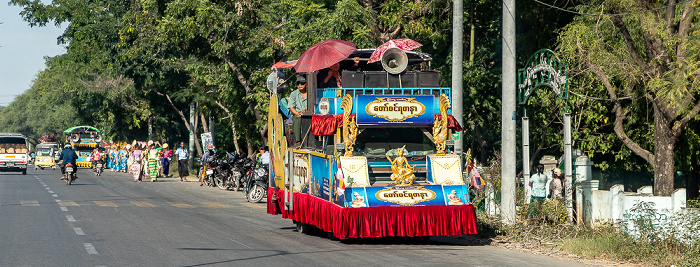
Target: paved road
column 113, row 221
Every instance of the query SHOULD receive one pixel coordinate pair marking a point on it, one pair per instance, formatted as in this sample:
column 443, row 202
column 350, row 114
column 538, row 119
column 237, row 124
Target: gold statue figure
column 403, row 173
column 440, row 126
column 349, row 125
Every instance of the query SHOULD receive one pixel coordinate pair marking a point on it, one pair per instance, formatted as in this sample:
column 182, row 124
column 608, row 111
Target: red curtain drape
column 377, row 221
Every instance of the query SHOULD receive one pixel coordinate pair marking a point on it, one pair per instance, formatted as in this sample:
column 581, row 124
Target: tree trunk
column 233, row 126
column 691, row 184
column 664, row 145
column 245, row 82
column 251, row 150
column 205, row 127
column 179, row 113
column 194, row 132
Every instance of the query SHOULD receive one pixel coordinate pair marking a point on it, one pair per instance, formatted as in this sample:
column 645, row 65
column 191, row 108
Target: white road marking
column 64, row 209
column 105, row 204
column 181, row 205
column 143, row 204
column 216, row 205
column 54, row 195
column 90, row 248
column 29, row 202
column 78, row 231
column 58, row 200
column 50, row 192
column 70, row 218
column 68, row 203
column 48, row 188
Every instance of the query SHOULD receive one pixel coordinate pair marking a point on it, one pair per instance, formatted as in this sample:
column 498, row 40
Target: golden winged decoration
column 349, row 125
column 440, row 126
column 276, row 142
column 402, row 172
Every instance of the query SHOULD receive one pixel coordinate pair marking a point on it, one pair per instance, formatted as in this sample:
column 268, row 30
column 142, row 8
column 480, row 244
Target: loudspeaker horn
column 394, row 60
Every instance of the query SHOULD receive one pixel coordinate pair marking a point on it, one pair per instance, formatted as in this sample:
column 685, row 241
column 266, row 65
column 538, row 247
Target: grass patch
column 611, row 244
column 541, row 225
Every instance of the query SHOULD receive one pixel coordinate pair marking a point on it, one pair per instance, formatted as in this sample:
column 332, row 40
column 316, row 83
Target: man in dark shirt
column 68, row 156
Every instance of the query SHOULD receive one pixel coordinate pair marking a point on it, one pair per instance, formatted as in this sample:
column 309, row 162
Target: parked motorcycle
column 69, row 175
column 223, row 171
column 256, row 182
column 239, row 172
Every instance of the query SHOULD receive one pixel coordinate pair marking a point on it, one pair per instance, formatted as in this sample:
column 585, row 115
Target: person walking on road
column 136, row 164
column 182, row 156
column 167, row 154
column 152, row 162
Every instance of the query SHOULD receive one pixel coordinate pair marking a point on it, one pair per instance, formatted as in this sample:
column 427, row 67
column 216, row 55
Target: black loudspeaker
column 382, row 79
column 428, row 78
column 394, row 60
column 353, row 79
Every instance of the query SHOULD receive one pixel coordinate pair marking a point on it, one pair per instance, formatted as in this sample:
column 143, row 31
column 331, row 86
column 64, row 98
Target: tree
column 642, row 53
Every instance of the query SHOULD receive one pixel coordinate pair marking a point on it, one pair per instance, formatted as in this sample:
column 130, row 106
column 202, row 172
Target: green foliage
column 545, row 212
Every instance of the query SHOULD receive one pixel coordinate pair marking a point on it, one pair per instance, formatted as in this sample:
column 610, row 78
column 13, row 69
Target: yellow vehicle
column 46, row 155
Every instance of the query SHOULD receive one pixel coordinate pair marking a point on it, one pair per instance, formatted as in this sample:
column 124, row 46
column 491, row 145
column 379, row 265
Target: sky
column 22, row 51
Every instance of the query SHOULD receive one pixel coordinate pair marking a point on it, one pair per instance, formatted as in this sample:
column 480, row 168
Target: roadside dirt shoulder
column 499, row 243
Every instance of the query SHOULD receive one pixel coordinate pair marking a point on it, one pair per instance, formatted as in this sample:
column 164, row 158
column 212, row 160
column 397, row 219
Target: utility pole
column 150, row 127
column 212, row 126
column 457, row 69
column 508, row 115
column 192, row 132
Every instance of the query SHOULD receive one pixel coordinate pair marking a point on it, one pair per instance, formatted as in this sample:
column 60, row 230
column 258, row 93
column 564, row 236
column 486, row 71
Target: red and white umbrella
column 323, row 55
column 403, row 44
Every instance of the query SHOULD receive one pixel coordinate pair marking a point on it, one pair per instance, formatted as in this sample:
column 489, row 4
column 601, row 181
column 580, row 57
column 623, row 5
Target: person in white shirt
column 182, row 156
column 538, row 183
column 264, row 155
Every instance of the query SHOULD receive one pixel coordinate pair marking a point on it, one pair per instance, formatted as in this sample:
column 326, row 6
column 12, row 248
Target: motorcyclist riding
column 68, row 156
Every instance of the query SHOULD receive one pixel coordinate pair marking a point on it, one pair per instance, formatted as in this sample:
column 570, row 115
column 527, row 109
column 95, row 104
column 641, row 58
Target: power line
column 600, row 15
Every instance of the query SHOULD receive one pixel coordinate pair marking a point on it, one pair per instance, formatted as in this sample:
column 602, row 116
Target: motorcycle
column 207, row 171
column 69, row 174
column 98, row 168
column 223, row 171
column 239, row 171
column 256, row 182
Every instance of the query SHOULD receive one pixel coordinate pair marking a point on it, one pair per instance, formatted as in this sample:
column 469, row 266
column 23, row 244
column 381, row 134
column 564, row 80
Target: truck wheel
column 24, row 172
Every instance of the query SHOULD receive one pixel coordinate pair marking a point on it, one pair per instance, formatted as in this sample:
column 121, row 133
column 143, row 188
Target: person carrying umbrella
column 297, row 106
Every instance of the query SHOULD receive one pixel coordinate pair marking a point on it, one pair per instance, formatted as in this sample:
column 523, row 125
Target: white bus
column 14, row 153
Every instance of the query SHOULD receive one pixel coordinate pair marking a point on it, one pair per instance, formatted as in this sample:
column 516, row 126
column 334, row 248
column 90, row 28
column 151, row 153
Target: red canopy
column 285, row 64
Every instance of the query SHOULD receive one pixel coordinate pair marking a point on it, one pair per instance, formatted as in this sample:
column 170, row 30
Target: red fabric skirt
column 376, row 221
column 326, row 124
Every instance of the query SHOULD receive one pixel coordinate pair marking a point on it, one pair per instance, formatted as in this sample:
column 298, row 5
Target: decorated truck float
column 375, row 160
column 84, row 140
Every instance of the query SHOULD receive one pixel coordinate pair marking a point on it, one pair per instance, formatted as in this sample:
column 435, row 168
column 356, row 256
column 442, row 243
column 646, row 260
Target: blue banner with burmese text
column 393, row 109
